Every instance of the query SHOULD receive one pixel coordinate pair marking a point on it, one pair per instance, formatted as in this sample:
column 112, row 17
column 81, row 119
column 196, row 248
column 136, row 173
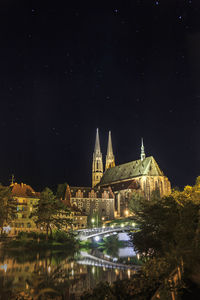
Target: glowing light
column 4, row 267
column 133, row 224
column 116, row 271
column 129, row 273
column 122, row 225
column 102, row 218
column 93, row 270
column 93, row 220
column 6, row 229
column 49, row 269
column 126, row 212
column 97, row 238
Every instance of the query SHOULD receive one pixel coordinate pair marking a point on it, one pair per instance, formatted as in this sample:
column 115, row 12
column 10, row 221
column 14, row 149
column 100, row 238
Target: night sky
column 132, row 67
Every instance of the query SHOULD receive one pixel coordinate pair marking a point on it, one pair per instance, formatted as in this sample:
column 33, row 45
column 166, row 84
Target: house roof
column 130, row 170
column 23, row 190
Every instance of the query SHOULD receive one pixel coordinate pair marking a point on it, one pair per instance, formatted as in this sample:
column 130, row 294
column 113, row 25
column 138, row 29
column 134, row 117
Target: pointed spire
column 97, row 165
column 97, row 149
column 142, row 155
column 109, row 149
column 110, row 159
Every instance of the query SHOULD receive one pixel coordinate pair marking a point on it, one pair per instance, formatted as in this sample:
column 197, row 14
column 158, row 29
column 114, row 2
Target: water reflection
column 58, row 275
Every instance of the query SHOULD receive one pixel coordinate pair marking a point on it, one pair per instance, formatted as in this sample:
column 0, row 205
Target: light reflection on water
column 63, row 275
column 126, row 252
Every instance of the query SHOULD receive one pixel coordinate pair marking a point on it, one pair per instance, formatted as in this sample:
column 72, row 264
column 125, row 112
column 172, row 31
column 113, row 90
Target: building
column 142, row 175
column 92, row 201
column 26, row 198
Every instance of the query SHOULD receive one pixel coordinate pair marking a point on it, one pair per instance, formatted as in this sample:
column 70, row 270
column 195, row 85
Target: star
column 116, row 10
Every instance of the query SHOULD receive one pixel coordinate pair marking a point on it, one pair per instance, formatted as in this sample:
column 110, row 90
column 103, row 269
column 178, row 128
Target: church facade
column 142, row 175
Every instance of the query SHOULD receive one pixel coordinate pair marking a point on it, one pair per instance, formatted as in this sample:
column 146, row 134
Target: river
column 58, row 275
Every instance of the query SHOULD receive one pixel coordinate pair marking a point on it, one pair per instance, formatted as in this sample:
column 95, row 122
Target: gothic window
column 161, row 187
column 97, row 165
column 147, row 188
column 144, row 186
column 156, row 184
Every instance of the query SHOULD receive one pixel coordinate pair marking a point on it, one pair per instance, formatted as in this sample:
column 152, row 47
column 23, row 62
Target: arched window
column 161, row 187
column 147, row 188
column 144, row 187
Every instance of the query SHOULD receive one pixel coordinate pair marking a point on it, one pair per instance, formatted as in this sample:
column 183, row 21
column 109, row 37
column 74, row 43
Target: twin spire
column 97, row 166
column 97, row 148
column 110, row 159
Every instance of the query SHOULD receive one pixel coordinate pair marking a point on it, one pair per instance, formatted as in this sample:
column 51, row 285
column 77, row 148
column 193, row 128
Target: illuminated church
column 142, row 175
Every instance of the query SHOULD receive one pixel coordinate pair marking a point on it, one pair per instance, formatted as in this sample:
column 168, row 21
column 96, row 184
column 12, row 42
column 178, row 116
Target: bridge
column 84, row 234
column 88, row 259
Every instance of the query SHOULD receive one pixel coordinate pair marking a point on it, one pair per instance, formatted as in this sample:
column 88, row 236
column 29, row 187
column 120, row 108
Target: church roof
column 130, row 170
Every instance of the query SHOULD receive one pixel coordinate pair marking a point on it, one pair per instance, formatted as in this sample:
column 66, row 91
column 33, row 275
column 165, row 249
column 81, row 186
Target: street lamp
column 126, row 212
column 93, row 220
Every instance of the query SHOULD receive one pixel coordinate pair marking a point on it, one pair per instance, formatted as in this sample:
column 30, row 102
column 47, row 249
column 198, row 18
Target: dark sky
column 132, row 67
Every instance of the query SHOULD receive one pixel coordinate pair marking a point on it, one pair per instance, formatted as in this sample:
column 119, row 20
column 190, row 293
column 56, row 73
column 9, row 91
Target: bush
column 22, row 235
column 61, row 236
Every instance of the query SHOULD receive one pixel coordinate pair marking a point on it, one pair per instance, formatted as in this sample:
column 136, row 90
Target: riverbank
column 59, row 240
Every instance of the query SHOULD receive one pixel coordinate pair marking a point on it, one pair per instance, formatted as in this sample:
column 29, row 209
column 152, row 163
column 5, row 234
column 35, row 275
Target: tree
column 50, row 212
column 169, row 227
column 8, row 206
column 135, row 201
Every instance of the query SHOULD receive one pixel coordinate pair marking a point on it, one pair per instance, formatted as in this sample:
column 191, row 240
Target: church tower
column 97, row 165
column 142, row 155
column 110, row 159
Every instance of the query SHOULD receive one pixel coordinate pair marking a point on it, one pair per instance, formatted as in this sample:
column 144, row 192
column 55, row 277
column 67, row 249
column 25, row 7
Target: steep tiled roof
column 130, row 170
column 124, row 185
column 23, row 190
